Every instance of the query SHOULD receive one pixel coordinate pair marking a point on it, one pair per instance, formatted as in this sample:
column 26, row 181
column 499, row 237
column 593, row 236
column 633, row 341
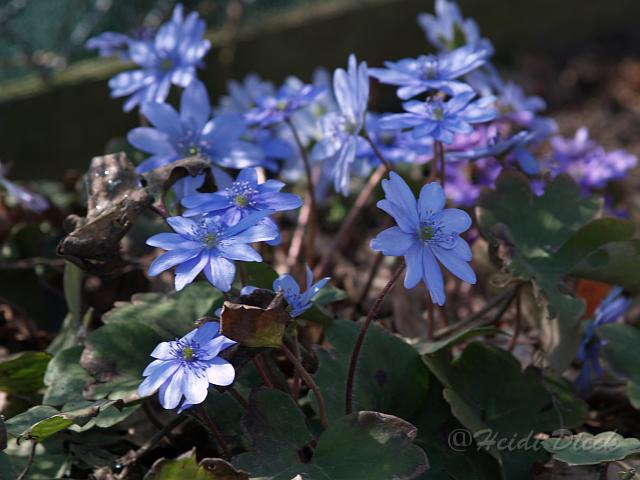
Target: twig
column 442, row 164
column 313, row 214
column 308, row 379
column 32, row 454
column 360, row 340
column 490, row 305
column 349, row 221
column 29, row 263
column 434, row 163
column 517, row 326
column 215, row 432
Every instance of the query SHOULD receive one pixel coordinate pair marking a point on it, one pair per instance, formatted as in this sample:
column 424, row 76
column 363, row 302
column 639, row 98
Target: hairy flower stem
column 442, row 163
column 238, row 397
column 308, row 379
column 349, row 221
column 377, row 151
column 32, row 454
column 263, row 375
column 372, row 274
column 313, row 213
column 353, row 364
column 296, row 240
column 214, row 431
column 295, row 389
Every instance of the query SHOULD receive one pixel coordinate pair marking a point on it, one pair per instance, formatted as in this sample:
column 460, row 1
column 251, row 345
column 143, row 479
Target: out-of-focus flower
column 192, row 132
column 610, row 310
column 425, row 231
column 432, row 72
column 447, row 29
column 281, row 106
column 186, row 367
column 338, row 146
column 587, row 162
column 513, row 105
column 243, row 96
column 211, row 245
column 29, row 200
column 110, row 44
column 171, row 57
column 441, row 120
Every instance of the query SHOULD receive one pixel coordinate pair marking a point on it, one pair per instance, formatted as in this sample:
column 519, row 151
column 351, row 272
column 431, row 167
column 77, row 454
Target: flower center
column 240, row 200
column 188, row 353
column 438, row 113
column 166, row 64
column 210, row 240
column 193, row 150
column 281, row 105
column 426, row 233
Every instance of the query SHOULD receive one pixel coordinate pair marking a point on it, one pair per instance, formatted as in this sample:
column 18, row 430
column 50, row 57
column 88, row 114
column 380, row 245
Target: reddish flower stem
column 353, row 364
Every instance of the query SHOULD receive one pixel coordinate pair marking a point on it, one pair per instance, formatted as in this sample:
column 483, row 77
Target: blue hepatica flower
column 30, row 200
column 426, row 231
column 110, row 44
column 238, row 199
column 277, row 108
column 341, row 130
column 440, row 119
column 211, row 245
column 610, row 310
column 171, row 57
column 192, row 132
column 431, row 72
column 448, row 29
column 186, row 367
column 243, row 96
column 299, row 301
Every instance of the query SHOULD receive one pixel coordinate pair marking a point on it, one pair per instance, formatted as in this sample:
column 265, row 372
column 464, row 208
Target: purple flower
column 192, row 132
column 186, row 367
column 431, row 72
column 441, row 120
column 447, row 29
column 110, row 44
column 240, row 198
column 609, row 311
column 171, row 57
column 587, row 162
column 243, row 96
column 277, row 108
column 299, row 301
column 341, row 130
column 29, row 200
column 211, row 245
column 426, row 231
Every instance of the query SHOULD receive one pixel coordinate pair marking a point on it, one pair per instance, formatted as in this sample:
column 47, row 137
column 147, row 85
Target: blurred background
column 55, row 110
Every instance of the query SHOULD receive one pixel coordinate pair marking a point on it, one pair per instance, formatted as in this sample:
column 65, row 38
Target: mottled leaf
column 587, row 449
column 23, row 374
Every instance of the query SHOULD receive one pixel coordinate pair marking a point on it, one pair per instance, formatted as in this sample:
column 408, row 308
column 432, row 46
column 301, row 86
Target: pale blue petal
column 221, row 372
column 392, row 241
column 170, row 259
column 433, row 277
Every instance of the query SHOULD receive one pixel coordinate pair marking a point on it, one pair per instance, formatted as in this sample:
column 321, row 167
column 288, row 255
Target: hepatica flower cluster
column 278, row 229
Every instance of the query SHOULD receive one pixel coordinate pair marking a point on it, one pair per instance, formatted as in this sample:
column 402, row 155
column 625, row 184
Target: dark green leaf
column 391, row 377
column 425, row 348
column 65, row 378
column 23, row 374
column 490, row 394
column 187, row 467
column 623, row 355
column 617, row 263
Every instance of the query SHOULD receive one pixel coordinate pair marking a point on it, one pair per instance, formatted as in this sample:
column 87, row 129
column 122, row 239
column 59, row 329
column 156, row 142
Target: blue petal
column 456, row 265
column 194, row 105
column 163, row 117
column 413, row 259
column 189, row 270
column 392, row 241
column 206, row 332
column 400, row 203
column 150, row 140
column 220, row 273
column 172, row 241
column 433, row 277
column 171, row 391
column 221, row 372
column 287, row 283
column 455, row 220
column 239, row 251
column 170, row 259
column 431, row 200
column 195, row 386
column 159, row 376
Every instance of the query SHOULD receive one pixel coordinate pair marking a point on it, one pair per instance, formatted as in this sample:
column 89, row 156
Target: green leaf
column 48, row 462
column 490, row 394
column 7, row 469
column 587, row 449
column 65, row 378
column 116, row 354
column 390, row 378
column 546, row 244
column 277, row 430
column 370, row 445
column 617, row 263
column 186, row 467
column 622, row 354
column 260, row 275
column 39, row 423
column 23, row 374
